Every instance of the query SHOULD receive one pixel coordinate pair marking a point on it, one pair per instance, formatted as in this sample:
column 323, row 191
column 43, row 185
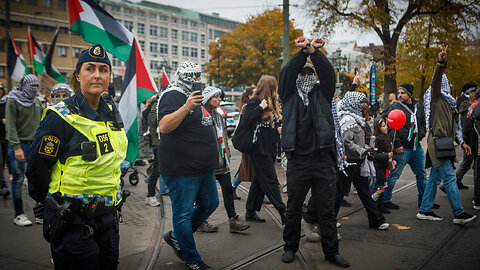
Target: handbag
column 444, row 148
column 243, row 137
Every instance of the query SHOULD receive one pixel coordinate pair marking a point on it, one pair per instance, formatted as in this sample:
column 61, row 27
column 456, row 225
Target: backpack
column 243, row 136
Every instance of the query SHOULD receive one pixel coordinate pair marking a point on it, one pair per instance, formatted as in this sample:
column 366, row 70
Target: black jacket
column 321, row 94
column 470, row 136
column 401, row 138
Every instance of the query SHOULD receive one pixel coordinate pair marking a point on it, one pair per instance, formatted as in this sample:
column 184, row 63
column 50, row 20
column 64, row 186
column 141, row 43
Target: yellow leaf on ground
column 401, row 227
column 345, row 218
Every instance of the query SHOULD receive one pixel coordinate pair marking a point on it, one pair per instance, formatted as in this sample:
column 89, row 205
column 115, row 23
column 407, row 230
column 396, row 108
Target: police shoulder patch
column 49, row 146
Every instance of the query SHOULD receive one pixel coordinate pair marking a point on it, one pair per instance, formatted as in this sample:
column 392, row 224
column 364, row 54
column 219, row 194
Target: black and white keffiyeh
column 350, row 111
column 24, row 91
column 304, row 86
column 341, row 164
column 446, row 94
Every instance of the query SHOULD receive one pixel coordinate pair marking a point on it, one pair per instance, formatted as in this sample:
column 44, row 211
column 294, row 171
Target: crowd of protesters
column 329, row 143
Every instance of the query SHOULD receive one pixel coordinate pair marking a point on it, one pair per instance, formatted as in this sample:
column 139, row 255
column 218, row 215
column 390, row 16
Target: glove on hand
column 38, row 210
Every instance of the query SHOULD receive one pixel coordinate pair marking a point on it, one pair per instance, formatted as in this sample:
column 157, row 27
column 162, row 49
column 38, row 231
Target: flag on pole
column 138, row 86
column 50, row 69
column 17, row 68
column 165, row 79
column 97, row 26
column 36, row 54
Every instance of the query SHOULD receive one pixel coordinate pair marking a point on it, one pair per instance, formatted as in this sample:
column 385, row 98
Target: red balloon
column 396, row 119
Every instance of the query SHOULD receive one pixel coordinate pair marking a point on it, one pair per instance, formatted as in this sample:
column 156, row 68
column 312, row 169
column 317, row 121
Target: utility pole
column 7, row 28
column 286, row 34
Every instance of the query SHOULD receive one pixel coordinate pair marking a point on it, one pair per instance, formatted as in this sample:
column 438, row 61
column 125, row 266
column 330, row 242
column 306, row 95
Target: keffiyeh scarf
column 350, row 111
column 24, row 93
column 304, row 86
column 446, row 94
column 341, row 164
column 413, row 132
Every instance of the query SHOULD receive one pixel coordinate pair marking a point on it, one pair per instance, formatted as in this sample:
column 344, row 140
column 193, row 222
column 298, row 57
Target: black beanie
column 469, row 86
column 407, row 88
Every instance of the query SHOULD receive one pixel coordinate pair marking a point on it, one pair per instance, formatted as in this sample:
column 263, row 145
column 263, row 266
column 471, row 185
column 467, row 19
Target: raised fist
column 301, row 42
column 318, row 42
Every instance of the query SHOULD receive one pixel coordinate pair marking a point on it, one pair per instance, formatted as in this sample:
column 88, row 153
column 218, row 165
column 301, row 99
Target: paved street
column 408, row 244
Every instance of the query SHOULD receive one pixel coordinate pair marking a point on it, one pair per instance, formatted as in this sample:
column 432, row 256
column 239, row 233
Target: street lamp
column 218, row 60
column 339, row 62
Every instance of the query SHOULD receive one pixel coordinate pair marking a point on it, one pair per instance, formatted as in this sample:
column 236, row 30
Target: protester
column 392, row 99
column 469, row 135
column 439, row 105
column 60, row 92
column 211, row 101
column 23, row 112
column 150, row 113
column 309, row 143
column 75, row 165
column 381, row 158
column 356, row 128
column 3, row 143
column 474, row 115
column 262, row 112
column 188, row 155
column 408, row 149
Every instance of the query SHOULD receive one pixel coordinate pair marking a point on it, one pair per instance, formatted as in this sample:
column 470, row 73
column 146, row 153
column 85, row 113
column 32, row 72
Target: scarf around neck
column 446, row 94
column 413, row 131
column 304, row 86
column 23, row 92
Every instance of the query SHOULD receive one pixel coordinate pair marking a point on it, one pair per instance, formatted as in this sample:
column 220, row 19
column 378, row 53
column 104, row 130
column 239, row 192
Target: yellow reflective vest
column 85, row 180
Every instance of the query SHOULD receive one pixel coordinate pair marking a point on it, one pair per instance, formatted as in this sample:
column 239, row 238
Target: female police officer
column 74, row 170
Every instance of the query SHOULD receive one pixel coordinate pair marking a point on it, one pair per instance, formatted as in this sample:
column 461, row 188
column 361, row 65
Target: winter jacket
column 401, row 138
column 322, row 94
column 470, row 137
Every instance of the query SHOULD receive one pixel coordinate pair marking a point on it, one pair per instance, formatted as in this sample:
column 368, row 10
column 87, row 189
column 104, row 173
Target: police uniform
column 75, row 158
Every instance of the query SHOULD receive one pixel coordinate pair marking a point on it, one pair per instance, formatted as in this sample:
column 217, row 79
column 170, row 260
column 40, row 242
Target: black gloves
column 38, row 210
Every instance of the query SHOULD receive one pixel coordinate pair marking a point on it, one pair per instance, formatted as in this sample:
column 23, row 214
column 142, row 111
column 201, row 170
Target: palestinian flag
column 50, row 69
column 165, row 80
column 138, row 86
column 99, row 27
column 36, row 54
column 17, row 68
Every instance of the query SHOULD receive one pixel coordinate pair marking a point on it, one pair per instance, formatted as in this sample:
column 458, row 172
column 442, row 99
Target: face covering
column 55, row 101
column 304, row 86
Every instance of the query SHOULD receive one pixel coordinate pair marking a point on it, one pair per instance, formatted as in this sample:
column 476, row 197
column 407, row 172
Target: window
column 62, row 51
column 141, row 28
column 32, row 2
column 202, row 53
column 202, row 38
column 218, row 33
column 193, row 52
column 47, row 3
column 163, row 32
column 202, row 25
column 154, row 65
column 185, row 51
column 174, row 20
column 33, row 26
column 193, row 24
column 174, row 34
column 163, row 48
column 153, row 47
column 193, row 37
column 142, row 44
column 153, row 16
column 2, row 72
column 115, row 8
column 163, row 18
column 75, row 52
column 174, row 50
column 185, row 35
column 174, row 65
column 63, row 30
column 184, row 22
column 210, row 36
column 127, row 11
column 153, row 30
column 47, row 28
column 141, row 13
column 128, row 25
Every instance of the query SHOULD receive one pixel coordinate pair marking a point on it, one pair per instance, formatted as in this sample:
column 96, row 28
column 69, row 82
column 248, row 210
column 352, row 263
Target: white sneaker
column 384, row 226
column 339, row 224
column 339, row 237
column 39, row 220
column 22, row 220
column 152, row 201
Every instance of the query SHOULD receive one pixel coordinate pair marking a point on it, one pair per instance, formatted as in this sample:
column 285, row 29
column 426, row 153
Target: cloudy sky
column 241, row 10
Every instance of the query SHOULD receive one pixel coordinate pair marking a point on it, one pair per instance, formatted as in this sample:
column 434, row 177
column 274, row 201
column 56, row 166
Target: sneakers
column 311, row 231
column 461, row 186
column 252, row 216
column 152, row 201
column 428, row 216
column 200, row 265
column 39, row 220
column 22, row 220
column 463, row 218
column 384, row 226
column 237, row 225
column 4, row 192
column 207, row 227
column 391, row 205
column 171, row 241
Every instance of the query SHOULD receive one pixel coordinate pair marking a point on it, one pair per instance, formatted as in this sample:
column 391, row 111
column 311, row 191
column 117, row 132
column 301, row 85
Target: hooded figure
column 25, row 91
column 60, row 91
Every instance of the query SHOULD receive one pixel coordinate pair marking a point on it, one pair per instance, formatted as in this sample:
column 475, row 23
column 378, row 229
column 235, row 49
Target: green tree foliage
column 387, row 18
column 251, row 50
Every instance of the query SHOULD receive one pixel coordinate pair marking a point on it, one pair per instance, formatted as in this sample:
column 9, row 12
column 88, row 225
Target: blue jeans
column 447, row 173
column 18, row 175
column 161, row 182
column 416, row 160
column 184, row 191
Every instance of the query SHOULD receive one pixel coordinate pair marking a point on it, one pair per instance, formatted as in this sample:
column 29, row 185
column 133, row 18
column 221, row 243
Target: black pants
column 99, row 252
column 227, row 192
column 155, row 174
column 315, row 171
column 476, row 181
column 3, row 160
column 264, row 182
column 375, row 216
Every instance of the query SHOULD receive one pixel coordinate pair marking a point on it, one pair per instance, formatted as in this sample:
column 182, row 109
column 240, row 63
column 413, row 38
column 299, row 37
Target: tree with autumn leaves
column 249, row 51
